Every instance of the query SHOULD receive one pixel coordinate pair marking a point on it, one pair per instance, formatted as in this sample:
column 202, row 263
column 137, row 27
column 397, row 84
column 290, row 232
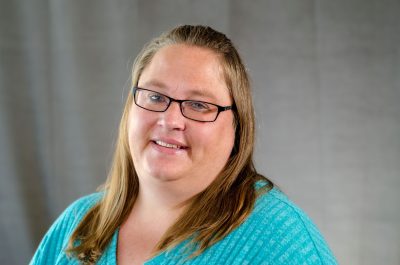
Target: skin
column 169, row 176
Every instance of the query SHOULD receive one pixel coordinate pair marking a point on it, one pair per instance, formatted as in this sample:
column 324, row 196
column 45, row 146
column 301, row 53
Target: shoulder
column 74, row 213
column 276, row 232
column 79, row 208
column 287, row 231
column 279, row 212
column 56, row 238
column 275, row 206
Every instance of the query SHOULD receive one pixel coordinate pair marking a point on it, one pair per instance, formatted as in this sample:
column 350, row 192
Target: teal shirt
column 276, row 232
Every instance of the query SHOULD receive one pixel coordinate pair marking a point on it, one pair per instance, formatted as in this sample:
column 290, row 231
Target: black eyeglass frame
column 180, row 101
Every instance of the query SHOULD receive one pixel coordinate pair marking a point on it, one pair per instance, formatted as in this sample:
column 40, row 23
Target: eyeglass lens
column 195, row 110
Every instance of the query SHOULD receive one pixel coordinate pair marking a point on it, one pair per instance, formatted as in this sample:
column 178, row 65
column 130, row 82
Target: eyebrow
column 191, row 92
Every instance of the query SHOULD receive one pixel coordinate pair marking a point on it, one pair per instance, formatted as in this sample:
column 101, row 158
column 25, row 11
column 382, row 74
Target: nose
column 172, row 118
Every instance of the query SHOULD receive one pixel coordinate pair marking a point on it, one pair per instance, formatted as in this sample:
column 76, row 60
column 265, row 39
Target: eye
column 156, row 98
column 198, row 106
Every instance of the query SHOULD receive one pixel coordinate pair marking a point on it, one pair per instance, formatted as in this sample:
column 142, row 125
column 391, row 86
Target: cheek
column 133, row 125
column 138, row 127
column 217, row 142
column 227, row 141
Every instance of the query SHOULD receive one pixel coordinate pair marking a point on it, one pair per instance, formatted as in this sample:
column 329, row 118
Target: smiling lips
column 168, row 145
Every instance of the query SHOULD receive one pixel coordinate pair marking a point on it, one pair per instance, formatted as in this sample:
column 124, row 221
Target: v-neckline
column 111, row 253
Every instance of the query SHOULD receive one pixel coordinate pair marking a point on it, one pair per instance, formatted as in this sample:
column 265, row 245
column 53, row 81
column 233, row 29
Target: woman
column 182, row 188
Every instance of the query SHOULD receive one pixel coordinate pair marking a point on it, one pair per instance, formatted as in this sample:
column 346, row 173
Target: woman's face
column 181, row 72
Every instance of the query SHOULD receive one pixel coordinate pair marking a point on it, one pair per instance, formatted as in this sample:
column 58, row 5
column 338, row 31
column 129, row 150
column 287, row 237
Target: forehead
column 182, row 70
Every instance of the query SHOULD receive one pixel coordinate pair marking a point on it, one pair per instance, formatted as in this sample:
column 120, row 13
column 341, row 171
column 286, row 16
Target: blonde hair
column 214, row 212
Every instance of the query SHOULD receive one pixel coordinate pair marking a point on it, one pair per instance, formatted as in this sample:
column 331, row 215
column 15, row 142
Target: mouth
column 170, row 145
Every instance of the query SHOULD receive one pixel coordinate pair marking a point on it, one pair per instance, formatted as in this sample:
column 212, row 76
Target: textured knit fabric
column 276, row 232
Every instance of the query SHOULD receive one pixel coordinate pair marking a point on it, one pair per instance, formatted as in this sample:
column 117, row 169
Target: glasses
column 191, row 109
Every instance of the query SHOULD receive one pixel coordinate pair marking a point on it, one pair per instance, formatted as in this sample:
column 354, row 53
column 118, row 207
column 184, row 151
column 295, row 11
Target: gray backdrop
column 326, row 81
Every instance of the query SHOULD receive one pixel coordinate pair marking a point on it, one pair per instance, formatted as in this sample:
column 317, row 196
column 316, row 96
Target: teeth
column 168, row 145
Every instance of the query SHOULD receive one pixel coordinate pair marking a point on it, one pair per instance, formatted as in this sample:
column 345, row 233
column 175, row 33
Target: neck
column 162, row 199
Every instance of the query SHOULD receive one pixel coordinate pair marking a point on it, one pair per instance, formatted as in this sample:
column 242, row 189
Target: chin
column 165, row 175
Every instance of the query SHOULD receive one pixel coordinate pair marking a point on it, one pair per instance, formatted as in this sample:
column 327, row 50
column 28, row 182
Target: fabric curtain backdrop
column 326, row 82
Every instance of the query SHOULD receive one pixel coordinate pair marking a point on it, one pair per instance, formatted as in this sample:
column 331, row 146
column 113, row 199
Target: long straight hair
column 214, row 212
